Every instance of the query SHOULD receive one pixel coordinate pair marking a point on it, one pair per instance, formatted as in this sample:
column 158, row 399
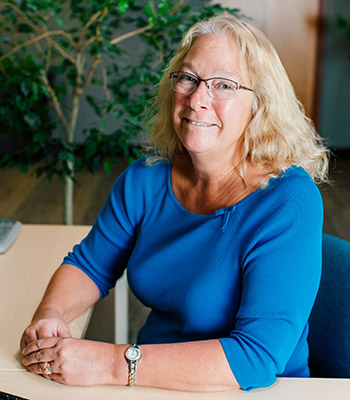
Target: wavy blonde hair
column 279, row 134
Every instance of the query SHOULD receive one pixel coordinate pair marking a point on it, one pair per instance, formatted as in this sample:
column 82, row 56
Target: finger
column 39, row 357
column 28, row 336
column 41, row 369
column 64, row 331
column 31, row 334
column 46, row 331
column 40, row 344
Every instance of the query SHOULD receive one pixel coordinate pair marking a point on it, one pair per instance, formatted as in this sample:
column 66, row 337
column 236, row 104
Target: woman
column 219, row 228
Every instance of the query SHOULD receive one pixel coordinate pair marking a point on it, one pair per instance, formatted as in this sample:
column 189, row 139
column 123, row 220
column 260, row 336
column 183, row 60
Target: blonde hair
column 279, row 134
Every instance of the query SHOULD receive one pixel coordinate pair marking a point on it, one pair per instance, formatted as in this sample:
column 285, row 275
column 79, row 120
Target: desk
column 25, row 270
column 37, row 388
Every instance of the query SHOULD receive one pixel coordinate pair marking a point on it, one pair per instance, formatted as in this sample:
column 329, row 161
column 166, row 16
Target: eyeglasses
column 218, row 88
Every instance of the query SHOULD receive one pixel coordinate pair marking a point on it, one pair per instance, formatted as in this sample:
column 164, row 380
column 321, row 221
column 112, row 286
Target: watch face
column 133, row 354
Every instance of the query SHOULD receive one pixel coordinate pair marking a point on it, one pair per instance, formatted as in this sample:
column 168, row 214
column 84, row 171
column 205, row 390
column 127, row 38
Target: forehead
column 216, row 54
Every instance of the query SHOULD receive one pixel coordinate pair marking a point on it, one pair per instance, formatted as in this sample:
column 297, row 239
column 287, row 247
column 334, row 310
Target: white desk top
column 35, row 387
column 25, row 270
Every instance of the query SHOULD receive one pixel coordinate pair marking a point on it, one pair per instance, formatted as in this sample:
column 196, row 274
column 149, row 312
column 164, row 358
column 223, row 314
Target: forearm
column 69, row 294
column 193, row 366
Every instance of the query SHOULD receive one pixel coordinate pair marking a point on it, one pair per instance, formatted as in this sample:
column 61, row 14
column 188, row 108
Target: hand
column 75, row 361
column 45, row 326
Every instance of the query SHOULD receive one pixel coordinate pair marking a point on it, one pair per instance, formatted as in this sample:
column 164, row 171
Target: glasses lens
column 222, row 88
column 181, row 82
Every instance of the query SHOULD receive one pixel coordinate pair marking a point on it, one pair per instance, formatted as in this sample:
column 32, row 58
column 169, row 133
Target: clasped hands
column 48, row 341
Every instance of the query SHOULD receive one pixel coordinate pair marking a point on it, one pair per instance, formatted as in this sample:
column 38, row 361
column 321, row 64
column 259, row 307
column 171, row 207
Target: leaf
column 163, row 6
column 93, row 103
column 123, row 6
column 149, row 13
column 23, row 168
column 60, row 23
column 108, row 166
column 31, row 120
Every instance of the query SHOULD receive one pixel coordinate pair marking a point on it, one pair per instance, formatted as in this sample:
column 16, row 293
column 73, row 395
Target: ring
column 48, row 369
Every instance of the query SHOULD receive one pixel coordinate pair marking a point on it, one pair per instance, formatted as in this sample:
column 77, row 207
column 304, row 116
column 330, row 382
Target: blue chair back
column 329, row 335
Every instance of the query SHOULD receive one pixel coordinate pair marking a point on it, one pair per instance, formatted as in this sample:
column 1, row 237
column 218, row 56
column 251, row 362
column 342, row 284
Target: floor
column 37, row 201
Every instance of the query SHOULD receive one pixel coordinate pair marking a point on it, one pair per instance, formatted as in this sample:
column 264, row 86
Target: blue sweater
column 247, row 274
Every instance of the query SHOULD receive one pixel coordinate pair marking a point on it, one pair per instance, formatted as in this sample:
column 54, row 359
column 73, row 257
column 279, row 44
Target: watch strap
column 132, row 373
column 132, row 361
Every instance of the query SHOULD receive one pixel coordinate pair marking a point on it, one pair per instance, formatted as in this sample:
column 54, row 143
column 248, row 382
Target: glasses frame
column 239, row 86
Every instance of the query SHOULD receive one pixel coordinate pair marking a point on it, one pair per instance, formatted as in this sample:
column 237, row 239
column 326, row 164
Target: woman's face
column 213, row 126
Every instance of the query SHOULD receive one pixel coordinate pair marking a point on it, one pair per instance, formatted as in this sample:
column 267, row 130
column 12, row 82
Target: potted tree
column 53, row 51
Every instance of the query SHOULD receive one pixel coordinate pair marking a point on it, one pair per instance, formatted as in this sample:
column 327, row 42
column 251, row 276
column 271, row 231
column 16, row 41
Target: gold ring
column 48, row 369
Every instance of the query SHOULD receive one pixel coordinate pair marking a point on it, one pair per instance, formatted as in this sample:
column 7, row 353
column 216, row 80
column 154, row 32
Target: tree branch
column 132, row 33
column 20, row 12
column 105, row 83
column 88, row 42
column 97, row 16
column 39, row 30
column 92, row 69
column 55, row 102
column 63, row 53
column 29, row 42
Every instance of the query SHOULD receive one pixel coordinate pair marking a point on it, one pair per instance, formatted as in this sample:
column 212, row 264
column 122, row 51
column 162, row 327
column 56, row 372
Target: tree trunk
column 68, row 200
column 68, row 180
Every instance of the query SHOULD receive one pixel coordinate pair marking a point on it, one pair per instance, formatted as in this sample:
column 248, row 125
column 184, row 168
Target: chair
column 329, row 335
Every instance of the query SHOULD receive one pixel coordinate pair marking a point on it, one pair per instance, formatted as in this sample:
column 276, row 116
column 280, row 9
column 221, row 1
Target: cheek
column 237, row 114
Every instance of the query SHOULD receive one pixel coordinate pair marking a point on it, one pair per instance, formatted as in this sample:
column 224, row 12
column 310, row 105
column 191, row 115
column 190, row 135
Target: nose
column 199, row 98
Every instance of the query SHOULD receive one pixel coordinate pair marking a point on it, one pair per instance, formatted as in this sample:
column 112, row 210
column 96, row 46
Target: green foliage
column 344, row 24
column 51, row 51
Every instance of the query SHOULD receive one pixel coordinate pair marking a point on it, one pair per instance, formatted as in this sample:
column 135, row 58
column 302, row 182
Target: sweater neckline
column 221, row 211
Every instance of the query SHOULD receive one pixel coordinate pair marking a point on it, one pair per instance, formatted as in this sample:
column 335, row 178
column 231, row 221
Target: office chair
column 329, row 335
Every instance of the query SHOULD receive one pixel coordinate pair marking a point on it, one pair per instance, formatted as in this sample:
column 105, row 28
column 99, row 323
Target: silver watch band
column 133, row 355
column 132, row 374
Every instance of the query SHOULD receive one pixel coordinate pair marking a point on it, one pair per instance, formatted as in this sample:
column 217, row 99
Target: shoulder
column 134, row 191
column 287, row 213
column 291, row 199
column 293, row 184
column 141, row 174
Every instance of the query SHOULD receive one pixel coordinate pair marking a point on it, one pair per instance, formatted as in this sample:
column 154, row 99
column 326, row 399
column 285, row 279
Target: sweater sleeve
column 104, row 253
column 281, row 268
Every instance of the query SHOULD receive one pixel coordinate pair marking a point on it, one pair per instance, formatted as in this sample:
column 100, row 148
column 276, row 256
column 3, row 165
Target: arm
column 193, row 366
column 69, row 294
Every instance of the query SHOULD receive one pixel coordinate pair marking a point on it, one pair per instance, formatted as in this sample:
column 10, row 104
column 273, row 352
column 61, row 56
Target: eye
column 224, row 85
column 186, row 78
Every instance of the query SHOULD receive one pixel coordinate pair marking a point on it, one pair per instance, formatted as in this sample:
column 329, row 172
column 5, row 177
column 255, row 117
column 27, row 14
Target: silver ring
column 48, row 369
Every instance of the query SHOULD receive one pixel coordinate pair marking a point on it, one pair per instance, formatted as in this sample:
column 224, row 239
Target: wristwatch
column 133, row 356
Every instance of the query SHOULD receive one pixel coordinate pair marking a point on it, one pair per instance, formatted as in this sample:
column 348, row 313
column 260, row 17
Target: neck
column 210, row 171
column 204, row 190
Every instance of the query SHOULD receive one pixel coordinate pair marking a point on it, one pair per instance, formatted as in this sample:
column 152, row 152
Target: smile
column 198, row 123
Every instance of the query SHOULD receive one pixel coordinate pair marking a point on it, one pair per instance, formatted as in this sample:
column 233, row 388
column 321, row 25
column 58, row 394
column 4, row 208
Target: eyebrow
column 233, row 76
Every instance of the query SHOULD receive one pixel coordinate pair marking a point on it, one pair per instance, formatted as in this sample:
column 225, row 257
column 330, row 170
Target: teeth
column 199, row 123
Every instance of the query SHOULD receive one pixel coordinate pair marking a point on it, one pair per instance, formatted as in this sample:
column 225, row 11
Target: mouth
column 198, row 123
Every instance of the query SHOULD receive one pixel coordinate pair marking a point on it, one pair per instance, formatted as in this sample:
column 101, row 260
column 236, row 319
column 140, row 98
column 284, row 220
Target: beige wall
column 291, row 25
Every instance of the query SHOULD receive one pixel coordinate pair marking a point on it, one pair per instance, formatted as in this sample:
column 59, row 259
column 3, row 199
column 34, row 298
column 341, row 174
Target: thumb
column 63, row 331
